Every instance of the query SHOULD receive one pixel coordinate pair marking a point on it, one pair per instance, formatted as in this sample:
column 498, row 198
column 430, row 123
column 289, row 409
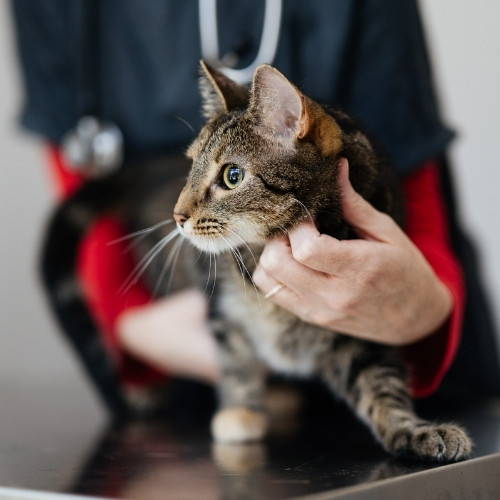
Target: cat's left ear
column 219, row 93
column 287, row 115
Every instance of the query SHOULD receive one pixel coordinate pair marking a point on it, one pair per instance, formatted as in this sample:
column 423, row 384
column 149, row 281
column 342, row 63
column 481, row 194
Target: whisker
column 284, row 230
column 305, row 209
column 215, row 272
column 244, row 243
column 239, row 262
column 247, row 272
column 141, row 233
column 143, row 264
column 209, row 267
column 177, row 252
column 170, row 264
column 188, row 125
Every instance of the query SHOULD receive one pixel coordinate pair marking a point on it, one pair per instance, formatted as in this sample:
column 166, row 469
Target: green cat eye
column 232, row 176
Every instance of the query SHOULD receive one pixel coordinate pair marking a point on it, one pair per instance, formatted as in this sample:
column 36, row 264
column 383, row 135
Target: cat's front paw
column 238, row 425
column 441, row 443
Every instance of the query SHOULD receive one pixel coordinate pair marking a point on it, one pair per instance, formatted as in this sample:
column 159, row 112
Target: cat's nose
column 180, row 218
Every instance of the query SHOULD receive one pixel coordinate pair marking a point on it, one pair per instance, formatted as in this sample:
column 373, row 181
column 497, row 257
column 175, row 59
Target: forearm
column 172, row 335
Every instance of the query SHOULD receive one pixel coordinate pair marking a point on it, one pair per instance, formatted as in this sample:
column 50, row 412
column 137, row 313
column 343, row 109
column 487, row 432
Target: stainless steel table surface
column 54, row 445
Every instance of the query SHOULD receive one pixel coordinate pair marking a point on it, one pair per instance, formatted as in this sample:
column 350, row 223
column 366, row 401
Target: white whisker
column 239, row 262
column 188, row 125
column 141, row 233
column 283, row 230
column 209, row 266
column 236, row 252
column 215, row 273
column 143, row 264
column 169, row 265
column 305, row 209
column 244, row 243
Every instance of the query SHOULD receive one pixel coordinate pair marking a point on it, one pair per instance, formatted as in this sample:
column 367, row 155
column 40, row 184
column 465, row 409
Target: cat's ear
column 287, row 115
column 277, row 105
column 219, row 93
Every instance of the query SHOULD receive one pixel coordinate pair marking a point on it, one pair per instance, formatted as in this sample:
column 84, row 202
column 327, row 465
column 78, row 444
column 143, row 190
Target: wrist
column 439, row 305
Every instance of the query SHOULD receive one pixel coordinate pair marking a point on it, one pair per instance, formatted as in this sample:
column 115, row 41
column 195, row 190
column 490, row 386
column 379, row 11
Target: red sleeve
column 426, row 225
column 103, row 268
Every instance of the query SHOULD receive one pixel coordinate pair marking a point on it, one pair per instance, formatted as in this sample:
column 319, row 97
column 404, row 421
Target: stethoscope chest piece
column 93, row 147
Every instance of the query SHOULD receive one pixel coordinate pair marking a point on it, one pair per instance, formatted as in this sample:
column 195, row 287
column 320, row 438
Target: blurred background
column 464, row 40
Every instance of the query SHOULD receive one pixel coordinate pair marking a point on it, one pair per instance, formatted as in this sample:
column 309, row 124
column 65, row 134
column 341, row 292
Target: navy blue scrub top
column 367, row 57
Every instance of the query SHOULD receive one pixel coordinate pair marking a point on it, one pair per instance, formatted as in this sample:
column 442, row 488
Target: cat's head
column 264, row 160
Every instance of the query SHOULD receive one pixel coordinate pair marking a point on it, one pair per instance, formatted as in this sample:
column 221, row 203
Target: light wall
column 464, row 40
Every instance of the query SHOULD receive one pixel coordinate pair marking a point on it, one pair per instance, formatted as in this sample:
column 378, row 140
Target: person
column 418, row 289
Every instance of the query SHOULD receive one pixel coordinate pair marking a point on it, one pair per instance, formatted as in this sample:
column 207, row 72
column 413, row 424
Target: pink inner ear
column 278, row 102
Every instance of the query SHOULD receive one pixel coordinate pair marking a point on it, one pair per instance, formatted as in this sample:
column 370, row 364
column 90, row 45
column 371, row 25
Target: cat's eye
column 232, row 176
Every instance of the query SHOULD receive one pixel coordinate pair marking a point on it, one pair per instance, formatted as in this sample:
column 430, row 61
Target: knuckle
column 346, row 304
column 320, row 318
column 356, row 200
column 259, row 276
column 270, row 259
column 369, row 278
column 356, row 203
column 385, row 220
column 305, row 252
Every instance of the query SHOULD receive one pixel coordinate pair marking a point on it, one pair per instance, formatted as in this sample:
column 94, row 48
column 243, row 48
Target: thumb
column 366, row 220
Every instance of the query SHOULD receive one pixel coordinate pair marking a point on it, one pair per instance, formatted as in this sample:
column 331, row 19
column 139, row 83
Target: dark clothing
column 367, row 57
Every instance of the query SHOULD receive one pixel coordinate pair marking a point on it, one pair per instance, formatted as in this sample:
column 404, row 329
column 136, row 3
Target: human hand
column 378, row 287
column 172, row 335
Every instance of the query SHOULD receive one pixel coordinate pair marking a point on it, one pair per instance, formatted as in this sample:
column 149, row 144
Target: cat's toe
column 238, row 425
column 239, row 457
column 440, row 443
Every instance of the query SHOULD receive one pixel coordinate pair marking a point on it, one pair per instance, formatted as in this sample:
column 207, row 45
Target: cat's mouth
column 215, row 237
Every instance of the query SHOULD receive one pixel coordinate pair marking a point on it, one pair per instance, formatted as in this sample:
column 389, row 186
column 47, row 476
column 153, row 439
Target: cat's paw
column 237, row 457
column 238, row 425
column 440, row 443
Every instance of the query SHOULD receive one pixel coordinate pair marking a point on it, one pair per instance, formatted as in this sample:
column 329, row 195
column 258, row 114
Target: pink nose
column 180, row 219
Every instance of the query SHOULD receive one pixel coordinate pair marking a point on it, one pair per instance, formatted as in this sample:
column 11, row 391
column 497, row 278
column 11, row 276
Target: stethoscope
column 209, row 36
column 95, row 147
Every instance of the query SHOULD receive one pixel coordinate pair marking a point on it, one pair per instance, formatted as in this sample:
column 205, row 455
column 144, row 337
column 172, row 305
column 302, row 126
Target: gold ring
column 274, row 290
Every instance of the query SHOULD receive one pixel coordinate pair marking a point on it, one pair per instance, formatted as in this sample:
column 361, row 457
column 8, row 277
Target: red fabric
column 65, row 181
column 426, row 225
column 104, row 268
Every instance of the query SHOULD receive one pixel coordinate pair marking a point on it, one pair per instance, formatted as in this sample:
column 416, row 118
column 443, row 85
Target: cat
column 265, row 160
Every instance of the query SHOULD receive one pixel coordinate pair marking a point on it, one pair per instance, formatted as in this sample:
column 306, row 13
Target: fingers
column 368, row 222
column 324, row 253
column 278, row 265
column 308, row 259
column 276, row 291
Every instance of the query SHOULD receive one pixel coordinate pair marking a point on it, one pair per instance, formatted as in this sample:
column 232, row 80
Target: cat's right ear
column 219, row 93
column 286, row 115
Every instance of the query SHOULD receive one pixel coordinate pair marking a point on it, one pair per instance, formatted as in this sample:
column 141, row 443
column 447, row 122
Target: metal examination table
column 54, row 445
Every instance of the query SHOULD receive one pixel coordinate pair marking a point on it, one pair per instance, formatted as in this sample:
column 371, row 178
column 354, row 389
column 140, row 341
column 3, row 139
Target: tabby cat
column 265, row 159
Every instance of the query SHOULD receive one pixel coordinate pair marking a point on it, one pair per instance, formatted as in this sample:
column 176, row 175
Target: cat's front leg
column 373, row 381
column 240, row 417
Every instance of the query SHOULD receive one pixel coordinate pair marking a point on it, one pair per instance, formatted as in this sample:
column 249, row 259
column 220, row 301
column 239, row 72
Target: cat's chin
column 213, row 246
column 217, row 246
